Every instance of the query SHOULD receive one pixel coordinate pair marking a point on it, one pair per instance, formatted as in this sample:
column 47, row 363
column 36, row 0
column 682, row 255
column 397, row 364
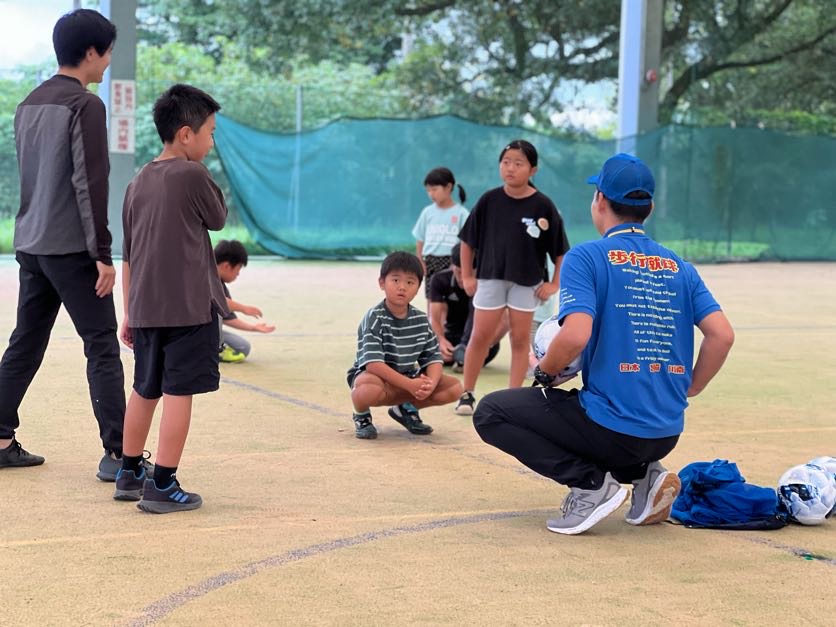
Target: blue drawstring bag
column 715, row 495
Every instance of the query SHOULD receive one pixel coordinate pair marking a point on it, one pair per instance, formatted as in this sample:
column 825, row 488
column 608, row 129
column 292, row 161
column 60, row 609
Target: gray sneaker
column 584, row 508
column 129, row 485
column 110, row 465
column 653, row 496
column 363, row 427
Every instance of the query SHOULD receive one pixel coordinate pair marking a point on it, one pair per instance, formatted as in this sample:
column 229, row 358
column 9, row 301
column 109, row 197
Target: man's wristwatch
column 543, row 378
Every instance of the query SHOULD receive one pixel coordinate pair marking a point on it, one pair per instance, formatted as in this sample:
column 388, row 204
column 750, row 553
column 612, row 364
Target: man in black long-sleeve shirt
column 61, row 235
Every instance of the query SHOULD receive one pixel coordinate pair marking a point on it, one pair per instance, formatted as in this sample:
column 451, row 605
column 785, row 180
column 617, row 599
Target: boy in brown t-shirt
column 172, row 295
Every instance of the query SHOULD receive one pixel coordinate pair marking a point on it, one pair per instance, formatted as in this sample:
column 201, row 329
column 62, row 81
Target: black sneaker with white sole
column 407, row 415
column 465, row 404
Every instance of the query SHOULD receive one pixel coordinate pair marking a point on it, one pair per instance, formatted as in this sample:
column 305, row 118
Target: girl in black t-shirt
column 510, row 231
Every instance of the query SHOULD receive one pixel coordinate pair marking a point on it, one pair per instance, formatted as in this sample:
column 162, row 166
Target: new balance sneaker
column 229, row 355
column 584, row 508
column 407, row 415
column 168, row 500
column 363, row 427
column 15, row 456
column 465, row 404
column 110, row 465
column 129, row 485
column 653, row 496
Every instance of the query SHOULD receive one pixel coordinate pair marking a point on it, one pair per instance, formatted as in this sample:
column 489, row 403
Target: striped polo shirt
column 407, row 345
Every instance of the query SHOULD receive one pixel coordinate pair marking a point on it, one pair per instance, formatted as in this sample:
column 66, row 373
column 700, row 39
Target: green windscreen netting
column 355, row 187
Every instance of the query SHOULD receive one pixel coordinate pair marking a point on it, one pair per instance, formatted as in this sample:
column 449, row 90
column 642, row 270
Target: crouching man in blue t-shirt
column 630, row 306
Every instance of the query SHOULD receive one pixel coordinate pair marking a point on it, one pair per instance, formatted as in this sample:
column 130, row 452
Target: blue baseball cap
column 621, row 175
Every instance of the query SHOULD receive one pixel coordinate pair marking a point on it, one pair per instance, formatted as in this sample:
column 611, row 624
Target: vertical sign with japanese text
column 122, row 116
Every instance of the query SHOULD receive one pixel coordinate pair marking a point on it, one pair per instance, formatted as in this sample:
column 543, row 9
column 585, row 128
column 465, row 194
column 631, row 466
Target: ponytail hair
column 443, row 176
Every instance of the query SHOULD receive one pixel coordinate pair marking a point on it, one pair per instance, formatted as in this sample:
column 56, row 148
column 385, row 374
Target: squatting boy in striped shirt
column 398, row 363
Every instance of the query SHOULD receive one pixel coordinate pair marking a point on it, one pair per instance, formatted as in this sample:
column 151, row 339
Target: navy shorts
column 179, row 361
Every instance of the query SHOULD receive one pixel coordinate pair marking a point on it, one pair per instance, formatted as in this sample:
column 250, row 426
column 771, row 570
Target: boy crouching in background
column 231, row 257
column 398, row 362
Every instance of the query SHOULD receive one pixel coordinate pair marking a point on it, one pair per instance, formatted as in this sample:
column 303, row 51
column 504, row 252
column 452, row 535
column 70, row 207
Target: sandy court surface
column 304, row 524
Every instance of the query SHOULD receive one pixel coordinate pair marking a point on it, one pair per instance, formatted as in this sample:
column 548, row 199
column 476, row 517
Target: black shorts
column 179, row 361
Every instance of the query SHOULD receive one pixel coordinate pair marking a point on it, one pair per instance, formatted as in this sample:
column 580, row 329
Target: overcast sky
column 26, row 30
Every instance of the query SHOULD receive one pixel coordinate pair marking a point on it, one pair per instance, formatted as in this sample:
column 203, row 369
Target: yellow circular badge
column 543, row 224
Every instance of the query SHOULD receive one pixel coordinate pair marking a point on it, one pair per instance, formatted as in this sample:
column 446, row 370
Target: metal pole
column 640, row 50
column 651, row 62
column 118, row 91
column 297, row 158
column 630, row 64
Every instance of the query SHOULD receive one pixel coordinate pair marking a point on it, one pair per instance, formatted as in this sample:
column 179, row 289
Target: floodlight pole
column 640, row 51
column 118, row 91
column 297, row 157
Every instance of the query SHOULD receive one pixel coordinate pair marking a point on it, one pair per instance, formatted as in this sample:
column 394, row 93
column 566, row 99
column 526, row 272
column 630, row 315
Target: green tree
column 494, row 61
column 740, row 55
column 343, row 31
column 509, row 61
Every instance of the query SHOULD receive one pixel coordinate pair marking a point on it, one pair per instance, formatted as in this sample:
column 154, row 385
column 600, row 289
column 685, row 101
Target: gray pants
column 235, row 342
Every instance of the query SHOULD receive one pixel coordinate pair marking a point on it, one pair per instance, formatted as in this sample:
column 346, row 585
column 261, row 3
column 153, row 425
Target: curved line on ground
column 270, row 393
column 283, row 397
column 331, row 412
column 798, row 552
column 794, row 550
column 158, row 610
